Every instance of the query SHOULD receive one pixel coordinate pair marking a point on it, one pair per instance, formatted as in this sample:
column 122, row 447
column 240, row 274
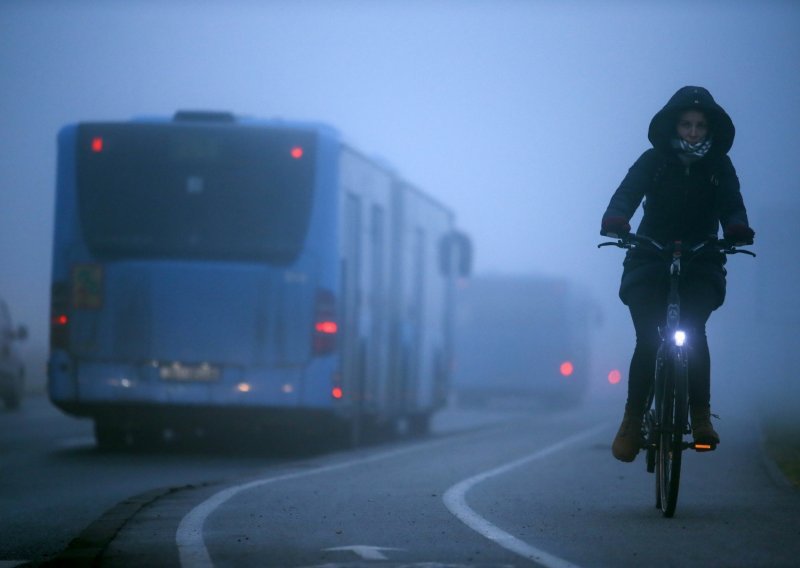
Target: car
column 12, row 368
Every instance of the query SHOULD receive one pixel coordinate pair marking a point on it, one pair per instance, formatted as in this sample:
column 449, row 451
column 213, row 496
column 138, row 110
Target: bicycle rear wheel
column 673, row 416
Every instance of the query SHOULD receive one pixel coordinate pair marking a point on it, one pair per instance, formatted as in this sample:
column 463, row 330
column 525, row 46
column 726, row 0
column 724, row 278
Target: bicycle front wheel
column 673, row 415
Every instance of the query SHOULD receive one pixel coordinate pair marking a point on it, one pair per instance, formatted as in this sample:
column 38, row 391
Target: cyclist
column 690, row 188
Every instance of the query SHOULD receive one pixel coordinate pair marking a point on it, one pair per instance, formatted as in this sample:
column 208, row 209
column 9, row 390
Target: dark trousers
column 648, row 306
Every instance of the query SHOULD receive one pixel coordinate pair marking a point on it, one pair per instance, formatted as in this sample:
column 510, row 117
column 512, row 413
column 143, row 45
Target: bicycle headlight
column 680, row 338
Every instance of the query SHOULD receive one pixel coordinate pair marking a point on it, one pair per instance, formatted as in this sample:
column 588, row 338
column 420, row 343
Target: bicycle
column 667, row 419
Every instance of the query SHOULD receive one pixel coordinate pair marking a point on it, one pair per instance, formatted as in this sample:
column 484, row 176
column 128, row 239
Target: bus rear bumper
column 84, row 388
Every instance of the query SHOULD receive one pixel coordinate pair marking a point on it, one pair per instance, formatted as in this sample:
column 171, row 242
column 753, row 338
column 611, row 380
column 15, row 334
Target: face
column 692, row 126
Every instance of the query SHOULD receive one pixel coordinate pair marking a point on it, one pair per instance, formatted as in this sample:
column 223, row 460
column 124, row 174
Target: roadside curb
column 87, row 548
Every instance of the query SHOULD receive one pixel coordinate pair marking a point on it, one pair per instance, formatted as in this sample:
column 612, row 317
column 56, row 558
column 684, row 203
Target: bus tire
column 419, row 424
column 109, row 435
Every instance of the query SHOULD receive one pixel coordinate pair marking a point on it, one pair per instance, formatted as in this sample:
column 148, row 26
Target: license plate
column 184, row 372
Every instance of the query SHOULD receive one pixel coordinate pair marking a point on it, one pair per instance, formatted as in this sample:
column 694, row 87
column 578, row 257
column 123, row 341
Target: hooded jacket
column 686, row 202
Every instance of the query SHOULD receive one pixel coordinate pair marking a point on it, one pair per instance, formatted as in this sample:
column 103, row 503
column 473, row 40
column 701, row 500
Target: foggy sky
column 522, row 116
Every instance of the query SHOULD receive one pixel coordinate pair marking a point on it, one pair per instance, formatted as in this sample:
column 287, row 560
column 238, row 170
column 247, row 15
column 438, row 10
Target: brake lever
column 742, row 251
column 620, row 243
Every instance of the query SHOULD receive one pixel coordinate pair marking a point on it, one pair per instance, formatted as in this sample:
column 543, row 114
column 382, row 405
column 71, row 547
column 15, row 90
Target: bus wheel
column 150, row 437
column 419, row 424
column 109, row 435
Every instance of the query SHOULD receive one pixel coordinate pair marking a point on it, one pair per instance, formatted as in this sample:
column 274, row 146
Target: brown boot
column 702, row 430
column 628, row 441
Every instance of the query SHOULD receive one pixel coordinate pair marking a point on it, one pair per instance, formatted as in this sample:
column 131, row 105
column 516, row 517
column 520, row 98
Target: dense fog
column 522, row 116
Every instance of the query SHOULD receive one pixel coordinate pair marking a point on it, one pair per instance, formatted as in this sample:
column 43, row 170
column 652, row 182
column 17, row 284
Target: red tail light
column 323, row 339
column 329, row 327
column 59, row 317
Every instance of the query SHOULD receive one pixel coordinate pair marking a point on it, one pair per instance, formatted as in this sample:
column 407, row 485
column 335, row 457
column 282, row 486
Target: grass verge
column 782, row 442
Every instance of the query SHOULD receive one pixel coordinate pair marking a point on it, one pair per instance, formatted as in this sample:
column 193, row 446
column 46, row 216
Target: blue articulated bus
column 211, row 270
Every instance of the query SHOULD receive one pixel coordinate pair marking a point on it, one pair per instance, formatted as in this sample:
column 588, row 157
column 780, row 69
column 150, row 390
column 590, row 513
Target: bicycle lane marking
column 192, row 550
column 455, row 500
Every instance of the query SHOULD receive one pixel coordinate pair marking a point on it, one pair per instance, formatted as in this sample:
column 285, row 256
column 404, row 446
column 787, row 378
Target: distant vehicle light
column 243, row 387
column 614, row 377
column 297, row 152
column 60, row 319
column 97, row 144
column 337, row 393
column 566, row 368
column 680, row 338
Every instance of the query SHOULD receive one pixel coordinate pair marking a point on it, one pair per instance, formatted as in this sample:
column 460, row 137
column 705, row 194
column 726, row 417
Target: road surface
column 497, row 487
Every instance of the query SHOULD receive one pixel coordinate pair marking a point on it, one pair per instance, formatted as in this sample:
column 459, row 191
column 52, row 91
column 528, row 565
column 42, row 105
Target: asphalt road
column 512, row 488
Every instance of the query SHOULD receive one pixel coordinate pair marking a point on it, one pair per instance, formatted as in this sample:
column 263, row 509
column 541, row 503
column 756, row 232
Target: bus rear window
column 229, row 192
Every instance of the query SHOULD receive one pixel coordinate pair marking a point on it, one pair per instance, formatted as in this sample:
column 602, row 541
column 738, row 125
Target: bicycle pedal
column 703, row 447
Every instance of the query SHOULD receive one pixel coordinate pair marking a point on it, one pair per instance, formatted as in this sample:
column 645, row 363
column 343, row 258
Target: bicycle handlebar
column 632, row 241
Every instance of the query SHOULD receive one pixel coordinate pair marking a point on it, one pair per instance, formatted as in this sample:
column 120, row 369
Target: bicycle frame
column 670, row 394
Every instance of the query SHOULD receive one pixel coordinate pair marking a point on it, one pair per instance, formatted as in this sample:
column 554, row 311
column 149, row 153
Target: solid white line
column 192, row 549
column 455, row 500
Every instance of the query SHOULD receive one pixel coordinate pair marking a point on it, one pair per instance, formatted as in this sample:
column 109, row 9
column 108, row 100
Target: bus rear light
column 326, row 327
column 337, row 393
column 323, row 340
column 566, row 368
column 59, row 316
column 59, row 332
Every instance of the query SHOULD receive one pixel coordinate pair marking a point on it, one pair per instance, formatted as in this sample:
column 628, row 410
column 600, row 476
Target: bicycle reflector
column 680, row 338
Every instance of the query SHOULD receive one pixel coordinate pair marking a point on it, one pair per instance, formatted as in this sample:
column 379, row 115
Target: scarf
column 691, row 152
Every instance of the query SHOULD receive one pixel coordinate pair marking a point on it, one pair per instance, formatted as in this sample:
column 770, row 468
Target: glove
column 739, row 234
column 614, row 227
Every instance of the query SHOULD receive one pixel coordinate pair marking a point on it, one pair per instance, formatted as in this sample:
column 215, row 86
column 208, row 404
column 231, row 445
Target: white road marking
column 364, row 551
column 192, row 549
column 455, row 500
column 193, row 553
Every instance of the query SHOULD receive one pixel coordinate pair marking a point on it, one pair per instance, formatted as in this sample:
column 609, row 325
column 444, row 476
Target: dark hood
column 662, row 127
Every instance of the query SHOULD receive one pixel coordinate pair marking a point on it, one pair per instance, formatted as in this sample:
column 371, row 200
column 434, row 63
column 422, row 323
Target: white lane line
column 192, row 549
column 455, row 500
